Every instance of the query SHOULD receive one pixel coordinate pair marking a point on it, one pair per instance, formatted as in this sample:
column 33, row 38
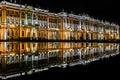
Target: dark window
column 12, row 33
column 82, row 44
column 22, row 33
column 33, row 34
column 16, row 13
column 34, row 16
column 8, row 11
column 8, row 47
column 12, row 46
column 13, row 12
column 8, row 32
column 33, row 45
column 22, row 22
column 22, row 46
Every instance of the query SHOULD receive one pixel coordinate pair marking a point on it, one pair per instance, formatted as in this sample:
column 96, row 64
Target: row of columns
column 65, row 55
column 78, row 31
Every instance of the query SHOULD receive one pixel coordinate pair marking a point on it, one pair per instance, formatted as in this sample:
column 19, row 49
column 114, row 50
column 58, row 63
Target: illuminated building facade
column 26, row 22
column 16, row 58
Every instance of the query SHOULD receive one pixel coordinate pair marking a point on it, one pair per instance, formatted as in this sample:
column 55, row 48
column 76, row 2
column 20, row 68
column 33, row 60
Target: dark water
column 106, row 68
column 59, row 60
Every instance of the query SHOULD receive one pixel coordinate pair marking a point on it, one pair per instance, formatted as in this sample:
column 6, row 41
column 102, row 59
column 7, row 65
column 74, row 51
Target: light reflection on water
column 20, row 58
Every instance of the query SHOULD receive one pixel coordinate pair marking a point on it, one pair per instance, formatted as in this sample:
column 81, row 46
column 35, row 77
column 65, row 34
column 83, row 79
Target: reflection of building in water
column 25, row 22
column 16, row 57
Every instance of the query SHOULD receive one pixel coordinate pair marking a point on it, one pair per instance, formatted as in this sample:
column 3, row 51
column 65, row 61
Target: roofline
column 63, row 14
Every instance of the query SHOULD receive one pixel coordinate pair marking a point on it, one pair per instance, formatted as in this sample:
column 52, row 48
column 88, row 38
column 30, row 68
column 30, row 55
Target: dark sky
column 101, row 9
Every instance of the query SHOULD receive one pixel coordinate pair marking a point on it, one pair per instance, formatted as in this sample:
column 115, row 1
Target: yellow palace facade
column 17, row 57
column 25, row 22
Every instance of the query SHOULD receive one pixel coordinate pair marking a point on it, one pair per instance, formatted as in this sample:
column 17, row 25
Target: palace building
column 18, row 22
column 20, row 57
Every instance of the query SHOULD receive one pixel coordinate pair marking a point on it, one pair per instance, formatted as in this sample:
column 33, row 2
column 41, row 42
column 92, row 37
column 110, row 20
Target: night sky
column 100, row 9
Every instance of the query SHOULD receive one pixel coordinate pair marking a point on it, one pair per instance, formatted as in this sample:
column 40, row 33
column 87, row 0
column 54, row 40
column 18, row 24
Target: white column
column 65, row 23
column 84, row 35
column 36, row 22
column 26, row 20
column 48, row 21
column 32, row 18
column 79, row 24
column 79, row 54
column 90, row 35
column 20, row 19
column 57, row 22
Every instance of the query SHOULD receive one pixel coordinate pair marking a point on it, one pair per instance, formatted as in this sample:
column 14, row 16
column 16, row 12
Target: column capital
column 3, row 8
